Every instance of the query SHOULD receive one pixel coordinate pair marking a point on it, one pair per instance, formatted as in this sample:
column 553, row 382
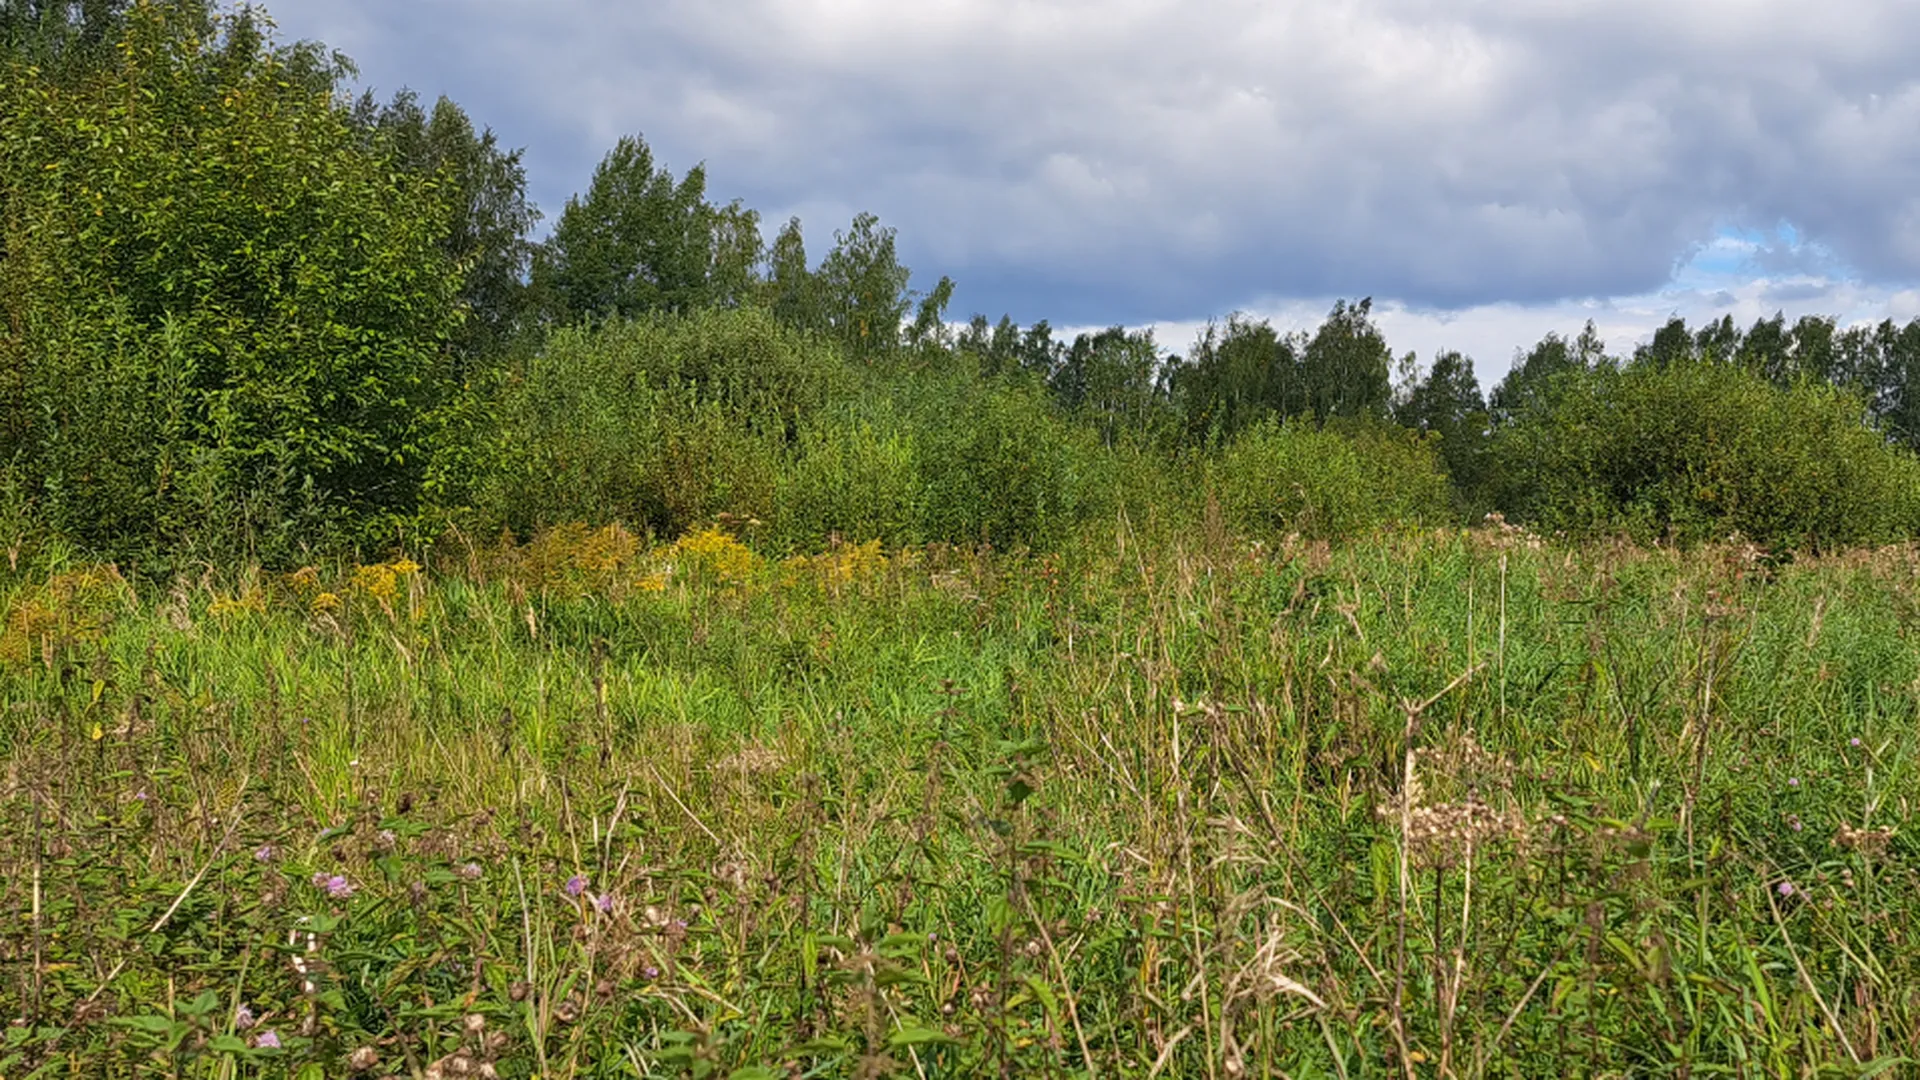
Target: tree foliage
column 1446, row 403
column 221, row 306
column 1346, row 367
column 640, row 242
column 488, row 218
column 862, row 290
column 1688, row 449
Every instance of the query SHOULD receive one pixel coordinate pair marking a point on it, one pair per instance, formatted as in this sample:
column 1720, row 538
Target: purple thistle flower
column 604, row 902
column 1793, row 781
column 576, row 884
column 243, row 1018
column 334, row 885
column 470, row 871
column 650, row 971
column 1854, row 742
column 263, row 853
column 268, row 1040
column 1786, row 888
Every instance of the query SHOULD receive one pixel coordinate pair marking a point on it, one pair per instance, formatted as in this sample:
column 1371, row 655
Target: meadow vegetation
column 1434, row 802
column 428, row 652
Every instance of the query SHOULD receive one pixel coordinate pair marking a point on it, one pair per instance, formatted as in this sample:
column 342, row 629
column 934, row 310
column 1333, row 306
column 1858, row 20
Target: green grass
column 1423, row 804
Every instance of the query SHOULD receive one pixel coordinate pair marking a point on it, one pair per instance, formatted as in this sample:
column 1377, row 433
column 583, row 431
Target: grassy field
column 1434, row 804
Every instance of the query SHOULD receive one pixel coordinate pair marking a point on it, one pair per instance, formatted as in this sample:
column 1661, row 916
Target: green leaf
column 150, row 1022
column 921, row 1036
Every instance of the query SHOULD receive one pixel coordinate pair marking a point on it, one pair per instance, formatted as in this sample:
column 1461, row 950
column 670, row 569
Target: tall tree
column 929, row 330
column 640, row 241
column 863, row 289
column 1529, row 385
column 1719, row 340
column 1447, row 402
column 1882, row 364
column 792, row 292
column 1767, row 350
column 1814, row 349
column 1235, row 375
column 489, row 219
column 995, row 347
column 1038, row 353
column 64, row 37
column 1671, row 343
column 1347, row 367
column 1109, row 379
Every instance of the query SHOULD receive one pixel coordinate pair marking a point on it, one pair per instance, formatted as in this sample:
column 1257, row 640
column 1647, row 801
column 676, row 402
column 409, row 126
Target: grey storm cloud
column 1131, row 160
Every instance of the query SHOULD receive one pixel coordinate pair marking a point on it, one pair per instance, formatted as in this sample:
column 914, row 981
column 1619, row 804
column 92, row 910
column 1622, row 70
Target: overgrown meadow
column 1429, row 803
column 428, row 650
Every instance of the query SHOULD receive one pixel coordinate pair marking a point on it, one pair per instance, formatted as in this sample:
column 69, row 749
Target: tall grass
column 1427, row 803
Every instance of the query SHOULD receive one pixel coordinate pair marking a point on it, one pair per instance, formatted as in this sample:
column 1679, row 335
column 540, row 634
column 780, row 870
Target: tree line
column 237, row 301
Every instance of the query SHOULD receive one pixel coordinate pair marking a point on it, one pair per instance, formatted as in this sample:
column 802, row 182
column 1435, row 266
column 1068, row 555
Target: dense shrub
column 660, row 423
column 1279, row 478
column 222, row 311
column 1697, row 450
column 1001, row 466
column 853, row 477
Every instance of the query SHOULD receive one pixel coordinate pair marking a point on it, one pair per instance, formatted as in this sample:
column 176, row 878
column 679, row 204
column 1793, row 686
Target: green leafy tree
column 640, row 242
column 1346, row 368
column 1109, row 380
column 929, row 331
column 63, row 37
column 863, row 290
column 1447, row 403
column 1814, row 350
column 1767, row 348
column 223, row 311
column 1234, row 376
column 1671, row 344
column 1693, row 450
column 791, row 290
column 1882, row 363
column 1039, row 353
column 488, row 217
column 1330, row 482
column 1530, row 384
column 995, row 347
column 1718, row 340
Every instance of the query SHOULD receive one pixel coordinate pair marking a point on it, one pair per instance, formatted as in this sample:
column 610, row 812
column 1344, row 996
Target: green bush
column 222, row 311
column 1328, row 483
column 849, row 477
column 661, row 423
column 1000, row 466
column 1697, row 450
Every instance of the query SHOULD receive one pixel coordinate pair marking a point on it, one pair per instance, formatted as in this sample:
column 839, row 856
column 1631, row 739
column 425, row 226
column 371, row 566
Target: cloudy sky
column 1487, row 170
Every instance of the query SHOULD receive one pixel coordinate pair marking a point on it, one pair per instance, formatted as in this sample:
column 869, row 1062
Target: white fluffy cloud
column 1140, row 160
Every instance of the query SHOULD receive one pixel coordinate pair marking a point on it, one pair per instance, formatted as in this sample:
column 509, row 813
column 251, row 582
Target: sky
column 1486, row 170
